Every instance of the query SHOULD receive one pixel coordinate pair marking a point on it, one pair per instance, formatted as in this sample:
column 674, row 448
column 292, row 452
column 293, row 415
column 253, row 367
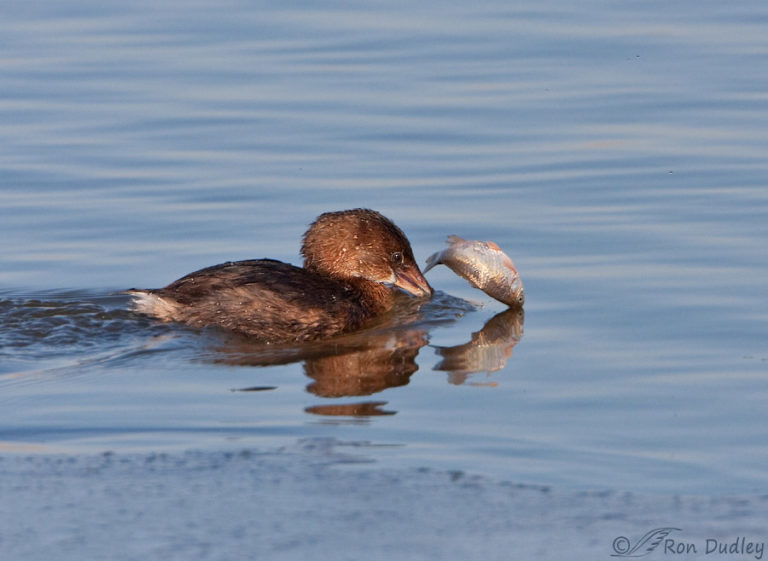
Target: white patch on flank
column 153, row 305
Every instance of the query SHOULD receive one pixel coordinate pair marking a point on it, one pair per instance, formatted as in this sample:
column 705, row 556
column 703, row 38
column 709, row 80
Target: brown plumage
column 354, row 261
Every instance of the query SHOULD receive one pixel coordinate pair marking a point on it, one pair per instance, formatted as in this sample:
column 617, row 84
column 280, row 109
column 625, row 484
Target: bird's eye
column 397, row 258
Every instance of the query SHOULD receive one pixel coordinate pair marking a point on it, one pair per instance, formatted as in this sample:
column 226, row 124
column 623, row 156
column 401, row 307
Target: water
column 615, row 151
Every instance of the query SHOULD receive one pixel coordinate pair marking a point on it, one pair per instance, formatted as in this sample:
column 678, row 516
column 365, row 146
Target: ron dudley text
column 712, row 546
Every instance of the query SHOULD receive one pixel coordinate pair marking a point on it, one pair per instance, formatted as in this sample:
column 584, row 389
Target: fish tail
column 433, row 260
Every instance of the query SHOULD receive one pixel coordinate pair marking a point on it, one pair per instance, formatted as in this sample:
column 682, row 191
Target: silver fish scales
column 484, row 265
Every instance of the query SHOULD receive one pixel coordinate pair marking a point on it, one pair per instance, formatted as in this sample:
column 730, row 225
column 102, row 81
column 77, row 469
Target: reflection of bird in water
column 355, row 365
column 364, row 409
column 488, row 350
column 389, row 361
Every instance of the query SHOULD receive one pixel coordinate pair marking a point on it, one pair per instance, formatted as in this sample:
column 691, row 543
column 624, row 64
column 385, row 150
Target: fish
column 485, row 266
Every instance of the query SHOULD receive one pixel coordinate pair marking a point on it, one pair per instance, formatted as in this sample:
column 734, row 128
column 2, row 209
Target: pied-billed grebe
column 354, row 261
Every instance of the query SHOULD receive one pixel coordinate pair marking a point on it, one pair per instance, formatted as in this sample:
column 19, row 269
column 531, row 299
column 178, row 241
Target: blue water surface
column 616, row 151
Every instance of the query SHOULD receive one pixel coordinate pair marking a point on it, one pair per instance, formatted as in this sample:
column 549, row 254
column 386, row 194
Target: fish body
column 485, row 266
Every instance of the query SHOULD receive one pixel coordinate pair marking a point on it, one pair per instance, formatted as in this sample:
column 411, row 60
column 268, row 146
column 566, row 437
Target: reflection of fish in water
column 488, row 350
column 484, row 265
